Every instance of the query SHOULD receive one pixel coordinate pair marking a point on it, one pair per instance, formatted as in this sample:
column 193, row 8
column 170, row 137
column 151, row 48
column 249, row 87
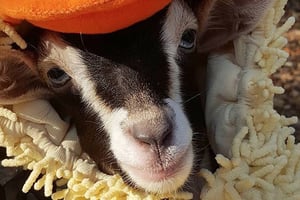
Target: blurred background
column 288, row 77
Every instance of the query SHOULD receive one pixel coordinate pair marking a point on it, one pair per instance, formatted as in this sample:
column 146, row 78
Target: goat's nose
column 153, row 133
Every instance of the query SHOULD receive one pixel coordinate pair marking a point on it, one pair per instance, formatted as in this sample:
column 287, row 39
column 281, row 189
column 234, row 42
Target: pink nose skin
column 152, row 135
column 152, row 128
column 155, row 133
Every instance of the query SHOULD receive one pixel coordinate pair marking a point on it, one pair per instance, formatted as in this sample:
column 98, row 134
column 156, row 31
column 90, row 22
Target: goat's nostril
column 152, row 133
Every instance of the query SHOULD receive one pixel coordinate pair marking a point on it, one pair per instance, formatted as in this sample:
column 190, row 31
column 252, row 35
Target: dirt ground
column 289, row 76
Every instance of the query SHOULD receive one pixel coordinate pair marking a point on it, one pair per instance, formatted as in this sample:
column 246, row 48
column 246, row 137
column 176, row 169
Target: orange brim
column 80, row 16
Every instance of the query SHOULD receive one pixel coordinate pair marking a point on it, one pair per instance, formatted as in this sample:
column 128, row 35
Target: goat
column 129, row 91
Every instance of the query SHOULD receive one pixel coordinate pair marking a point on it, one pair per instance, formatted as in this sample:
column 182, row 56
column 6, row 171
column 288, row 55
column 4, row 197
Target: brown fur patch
column 228, row 19
column 18, row 82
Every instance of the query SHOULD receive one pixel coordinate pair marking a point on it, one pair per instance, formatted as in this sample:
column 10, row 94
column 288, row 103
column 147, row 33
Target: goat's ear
column 19, row 80
column 223, row 20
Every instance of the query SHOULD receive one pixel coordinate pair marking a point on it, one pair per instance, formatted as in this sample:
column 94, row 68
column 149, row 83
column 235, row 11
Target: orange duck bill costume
column 78, row 16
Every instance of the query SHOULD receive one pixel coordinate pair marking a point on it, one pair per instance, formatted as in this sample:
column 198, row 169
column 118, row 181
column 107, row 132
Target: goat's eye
column 57, row 77
column 188, row 40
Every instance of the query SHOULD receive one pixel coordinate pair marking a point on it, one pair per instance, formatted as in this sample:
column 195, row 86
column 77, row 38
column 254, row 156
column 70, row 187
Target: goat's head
column 130, row 82
column 127, row 90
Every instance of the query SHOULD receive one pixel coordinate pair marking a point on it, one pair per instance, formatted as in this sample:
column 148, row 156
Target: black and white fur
column 130, row 81
column 129, row 91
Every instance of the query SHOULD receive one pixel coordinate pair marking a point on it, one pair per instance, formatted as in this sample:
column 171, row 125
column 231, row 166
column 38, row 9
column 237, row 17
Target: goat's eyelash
column 32, row 46
column 82, row 43
column 193, row 97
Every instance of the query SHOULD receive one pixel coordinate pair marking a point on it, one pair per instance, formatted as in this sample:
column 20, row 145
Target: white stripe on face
column 179, row 18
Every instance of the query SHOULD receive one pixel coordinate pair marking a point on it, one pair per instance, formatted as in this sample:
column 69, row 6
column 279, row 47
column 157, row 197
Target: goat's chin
column 157, row 180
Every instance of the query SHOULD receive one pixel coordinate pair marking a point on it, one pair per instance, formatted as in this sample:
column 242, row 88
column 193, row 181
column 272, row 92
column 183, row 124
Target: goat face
column 130, row 81
column 126, row 87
